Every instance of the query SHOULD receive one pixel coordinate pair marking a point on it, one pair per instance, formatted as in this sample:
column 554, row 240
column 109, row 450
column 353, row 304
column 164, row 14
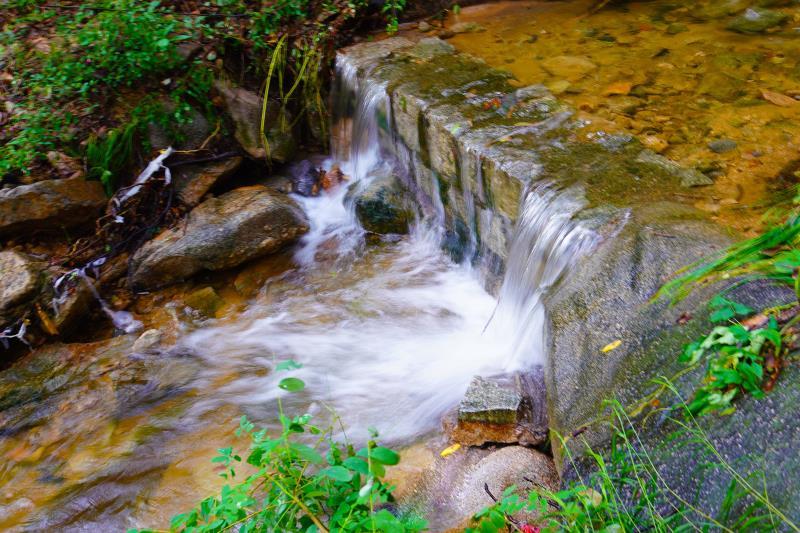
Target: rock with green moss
column 205, row 301
column 384, row 206
column 757, row 20
column 244, row 108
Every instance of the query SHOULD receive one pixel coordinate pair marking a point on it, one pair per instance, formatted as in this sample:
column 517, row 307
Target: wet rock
column 220, row 233
column 192, row 182
column 305, row 178
column 20, row 284
column 244, row 109
column 72, row 305
column 466, row 27
column 494, row 401
column 502, row 409
column 49, row 205
column 206, row 301
column 721, row 146
column 383, row 206
column 147, row 341
column 757, row 20
column 571, row 68
column 448, row 491
column 430, row 47
column 688, row 177
column 424, row 26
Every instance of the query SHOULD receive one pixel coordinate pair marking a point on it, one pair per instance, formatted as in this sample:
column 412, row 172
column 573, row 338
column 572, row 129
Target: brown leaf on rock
column 778, row 98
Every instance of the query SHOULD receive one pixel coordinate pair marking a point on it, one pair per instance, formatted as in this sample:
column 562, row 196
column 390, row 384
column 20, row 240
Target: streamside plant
column 626, row 491
column 302, row 479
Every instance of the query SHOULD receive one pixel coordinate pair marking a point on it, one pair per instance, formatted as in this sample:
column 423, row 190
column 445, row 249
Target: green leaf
column 292, row 384
column 337, row 473
column 385, row 455
column 356, row 465
column 288, row 365
column 306, row 452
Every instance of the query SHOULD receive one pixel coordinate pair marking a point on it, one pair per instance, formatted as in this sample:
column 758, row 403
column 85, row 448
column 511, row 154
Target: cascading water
column 390, row 336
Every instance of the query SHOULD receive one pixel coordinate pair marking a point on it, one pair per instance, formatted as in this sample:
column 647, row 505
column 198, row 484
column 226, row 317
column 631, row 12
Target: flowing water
column 95, row 437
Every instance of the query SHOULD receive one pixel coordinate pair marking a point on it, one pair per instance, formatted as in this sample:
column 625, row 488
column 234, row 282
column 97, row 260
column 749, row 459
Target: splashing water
column 390, row 336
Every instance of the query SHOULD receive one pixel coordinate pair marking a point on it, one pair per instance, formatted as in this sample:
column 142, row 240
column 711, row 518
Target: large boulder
column 244, row 109
column 20, row 284
column 449, row 490
column 609, row 340
column 607, row 298
column 50, row 205
column 220, row 233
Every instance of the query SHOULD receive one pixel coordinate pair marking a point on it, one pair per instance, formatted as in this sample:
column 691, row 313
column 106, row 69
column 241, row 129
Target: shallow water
column 659, row 72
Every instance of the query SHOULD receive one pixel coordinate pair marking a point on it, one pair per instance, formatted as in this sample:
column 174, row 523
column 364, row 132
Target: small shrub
column 303, row 480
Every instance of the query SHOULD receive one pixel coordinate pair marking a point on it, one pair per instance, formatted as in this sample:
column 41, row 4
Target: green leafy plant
column 392, row 10
column 302, row 480
column 625, row 491
column 108, row 157
column 735, row 364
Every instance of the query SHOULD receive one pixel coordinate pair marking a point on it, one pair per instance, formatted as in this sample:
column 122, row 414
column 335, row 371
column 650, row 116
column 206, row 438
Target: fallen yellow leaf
column 620, row 88
column 611, row 346
column 778, row 98
column 450, row 450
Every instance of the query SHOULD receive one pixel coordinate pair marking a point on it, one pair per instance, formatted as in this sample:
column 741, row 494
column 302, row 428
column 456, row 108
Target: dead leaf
column 778, row 98
column 611, row 346
column 450, row 450
column 620, row 88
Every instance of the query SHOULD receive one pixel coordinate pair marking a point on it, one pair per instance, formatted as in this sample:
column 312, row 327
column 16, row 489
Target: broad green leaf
column 385, row 455
column 337, row 473
column 292, row 384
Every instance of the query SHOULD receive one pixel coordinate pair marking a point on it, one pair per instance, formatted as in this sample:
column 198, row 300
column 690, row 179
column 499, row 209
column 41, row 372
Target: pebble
column 720, row 146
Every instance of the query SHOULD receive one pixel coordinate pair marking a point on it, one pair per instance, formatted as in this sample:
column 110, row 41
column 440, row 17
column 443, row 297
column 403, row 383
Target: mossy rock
column 384, row 206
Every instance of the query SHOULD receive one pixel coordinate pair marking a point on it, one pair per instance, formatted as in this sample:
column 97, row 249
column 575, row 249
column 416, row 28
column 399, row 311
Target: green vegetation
column 741, row 359
column 627, row 492
column 71, row 64
column 302, row 480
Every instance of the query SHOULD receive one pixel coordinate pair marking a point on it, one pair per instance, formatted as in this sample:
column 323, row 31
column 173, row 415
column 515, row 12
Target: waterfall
column 546, row 242
column 389, row 335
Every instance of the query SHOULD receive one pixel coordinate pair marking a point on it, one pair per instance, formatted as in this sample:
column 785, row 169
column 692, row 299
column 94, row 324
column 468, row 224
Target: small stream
column 95, row 437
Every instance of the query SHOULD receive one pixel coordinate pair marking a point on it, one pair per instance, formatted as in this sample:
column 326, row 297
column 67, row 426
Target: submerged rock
column 720, row 146
column 20, row 284
column 220, row 233
column 244, row 109
column 571, row 68
column 50, row 205
column 757, row 20
column 383, row 206
column 147, row 341
column 205, row 301
column 689, row 177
